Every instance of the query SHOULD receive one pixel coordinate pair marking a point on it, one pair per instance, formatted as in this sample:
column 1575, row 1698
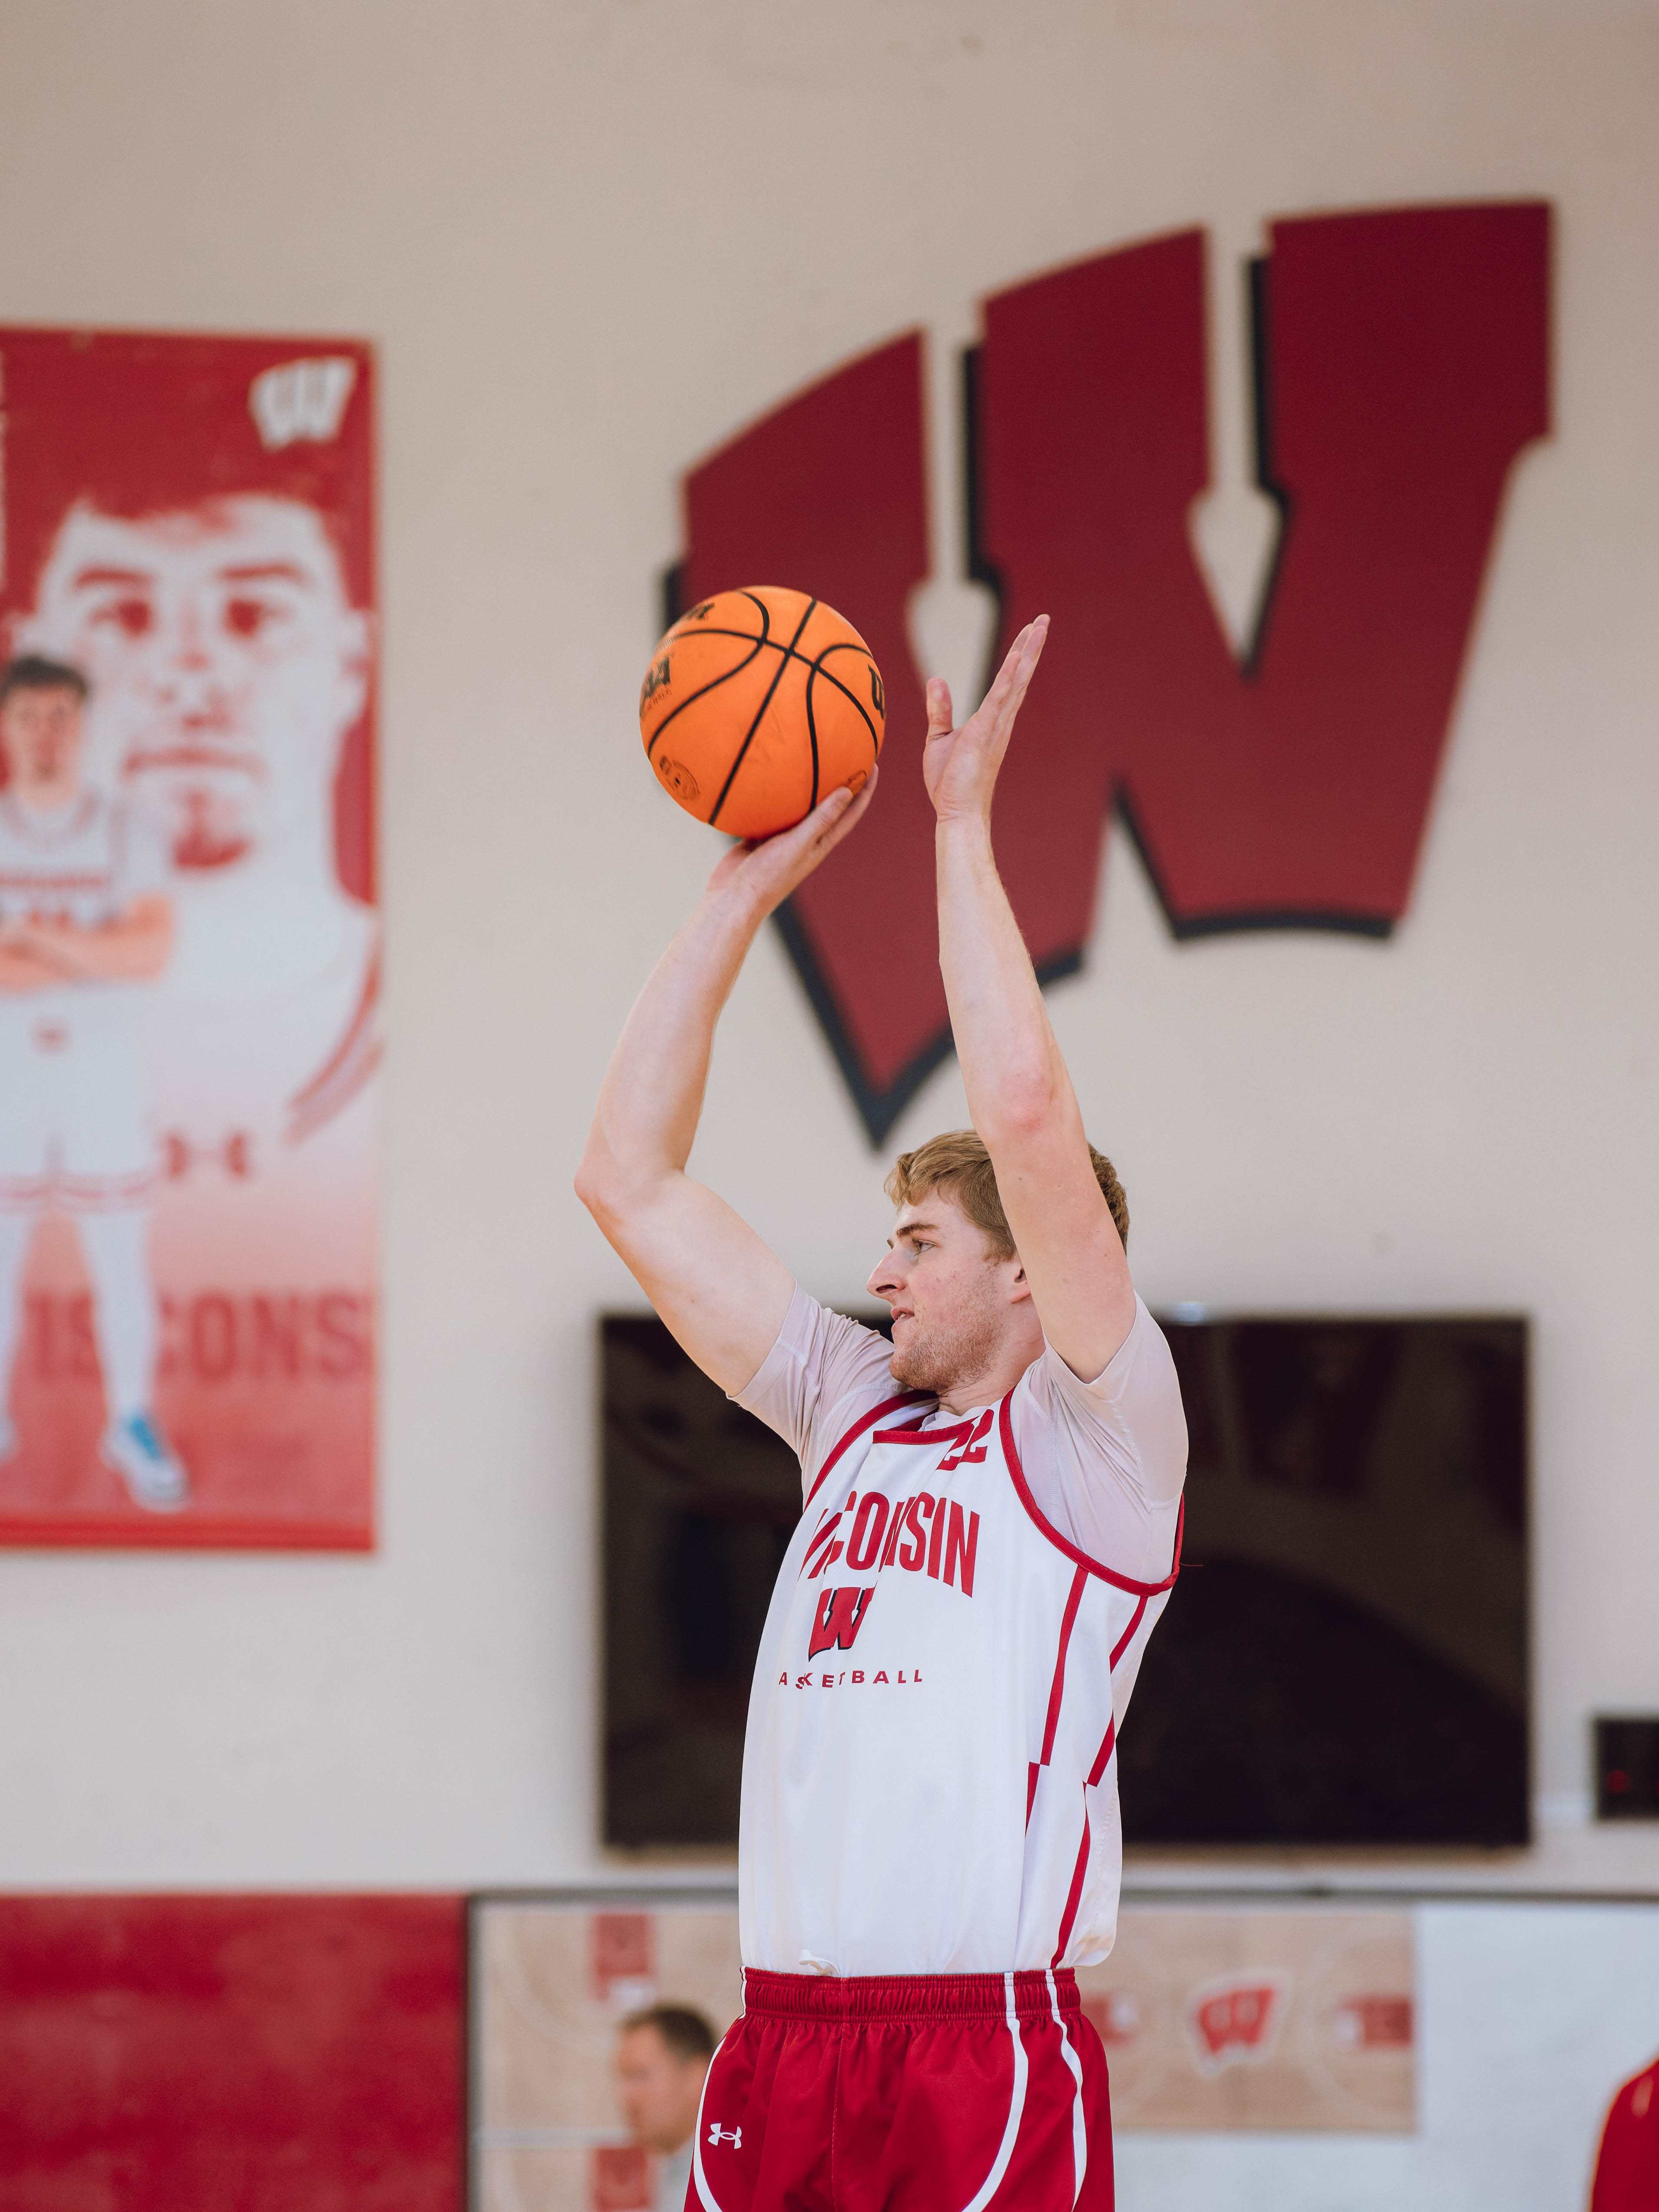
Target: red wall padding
column 232, row 2054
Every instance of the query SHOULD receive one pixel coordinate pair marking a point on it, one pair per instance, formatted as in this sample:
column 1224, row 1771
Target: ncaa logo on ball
column 656, row 679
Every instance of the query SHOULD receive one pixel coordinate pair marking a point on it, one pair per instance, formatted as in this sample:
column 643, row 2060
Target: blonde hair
column 958, row 1164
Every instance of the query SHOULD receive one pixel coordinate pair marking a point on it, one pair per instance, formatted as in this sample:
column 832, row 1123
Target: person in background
column 85, row 927
column 1627, row 2169
column 662, row 2059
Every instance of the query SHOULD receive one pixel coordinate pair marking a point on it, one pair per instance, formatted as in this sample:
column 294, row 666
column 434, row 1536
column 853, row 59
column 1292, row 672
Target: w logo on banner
column 301, row 399
column 1402, row 366
column 838, row 1619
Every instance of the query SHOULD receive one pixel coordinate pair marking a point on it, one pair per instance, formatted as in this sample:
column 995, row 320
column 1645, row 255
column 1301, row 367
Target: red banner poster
column 189, row 946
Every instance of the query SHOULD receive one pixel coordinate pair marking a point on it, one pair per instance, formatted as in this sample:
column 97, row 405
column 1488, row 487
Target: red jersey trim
column 1057, row 1687
column 1122, row 1643
column 1068, row 1920
column 865, row 1421
column 1106, row 1743
column 1046, row 1528
column 913, row 1433
column 1101, row 1755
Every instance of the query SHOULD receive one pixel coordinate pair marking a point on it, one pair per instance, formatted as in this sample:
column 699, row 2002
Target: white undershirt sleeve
column 822, row 1371
column 1105, row 1461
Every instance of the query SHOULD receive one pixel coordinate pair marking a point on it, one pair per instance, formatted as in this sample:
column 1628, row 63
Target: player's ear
column 1019, row 1288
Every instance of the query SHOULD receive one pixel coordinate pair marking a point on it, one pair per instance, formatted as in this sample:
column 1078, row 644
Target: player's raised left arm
column 133, row 948
column 1019, row 1093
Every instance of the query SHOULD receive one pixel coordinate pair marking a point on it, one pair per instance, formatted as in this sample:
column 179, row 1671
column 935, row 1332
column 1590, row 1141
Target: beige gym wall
column 591, row 239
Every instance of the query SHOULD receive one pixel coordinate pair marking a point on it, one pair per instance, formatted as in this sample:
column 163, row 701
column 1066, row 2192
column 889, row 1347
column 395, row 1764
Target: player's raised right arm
column 721, row 1290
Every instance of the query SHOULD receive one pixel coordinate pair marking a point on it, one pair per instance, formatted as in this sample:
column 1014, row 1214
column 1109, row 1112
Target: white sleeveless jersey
column 930, row 1785
column 85, row 866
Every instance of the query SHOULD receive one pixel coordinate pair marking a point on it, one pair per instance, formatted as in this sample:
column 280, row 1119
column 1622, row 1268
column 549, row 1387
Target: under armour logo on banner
column 718, row 2134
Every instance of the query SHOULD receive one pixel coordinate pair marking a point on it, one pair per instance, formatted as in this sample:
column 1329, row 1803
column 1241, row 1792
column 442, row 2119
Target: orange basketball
column 757, row 705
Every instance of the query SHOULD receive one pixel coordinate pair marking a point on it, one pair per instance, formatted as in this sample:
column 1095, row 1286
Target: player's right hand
column 766, row 872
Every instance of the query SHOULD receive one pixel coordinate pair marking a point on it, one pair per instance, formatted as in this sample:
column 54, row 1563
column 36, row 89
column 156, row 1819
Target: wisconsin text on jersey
column 922, row 1533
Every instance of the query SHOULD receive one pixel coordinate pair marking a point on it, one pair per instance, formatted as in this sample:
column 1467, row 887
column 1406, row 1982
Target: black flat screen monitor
column 1343, row 1661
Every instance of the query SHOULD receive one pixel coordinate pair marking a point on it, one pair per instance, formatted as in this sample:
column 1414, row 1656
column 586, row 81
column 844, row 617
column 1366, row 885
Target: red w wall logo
column 1401, row 362
column 840, row 1616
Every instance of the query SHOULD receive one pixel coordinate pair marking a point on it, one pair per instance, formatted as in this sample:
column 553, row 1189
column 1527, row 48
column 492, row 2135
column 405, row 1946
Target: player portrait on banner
column 189, row 946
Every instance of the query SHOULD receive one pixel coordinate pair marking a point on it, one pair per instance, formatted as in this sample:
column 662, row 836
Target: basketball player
column 662, row 2063
column 84, row 923
column 929, row 1834
column 227, row 665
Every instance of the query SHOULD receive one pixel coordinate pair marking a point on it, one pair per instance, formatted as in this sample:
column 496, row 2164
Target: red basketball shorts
column 954, row 2092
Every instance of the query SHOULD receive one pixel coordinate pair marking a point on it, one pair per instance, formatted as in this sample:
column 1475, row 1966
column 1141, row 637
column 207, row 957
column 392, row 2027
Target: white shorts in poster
column 188, row 1146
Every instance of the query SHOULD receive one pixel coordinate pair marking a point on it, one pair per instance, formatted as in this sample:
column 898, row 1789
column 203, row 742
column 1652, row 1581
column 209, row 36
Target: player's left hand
column 960, row 767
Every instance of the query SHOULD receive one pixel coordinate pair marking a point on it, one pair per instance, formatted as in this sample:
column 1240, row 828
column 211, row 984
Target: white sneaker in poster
column 147, row 1463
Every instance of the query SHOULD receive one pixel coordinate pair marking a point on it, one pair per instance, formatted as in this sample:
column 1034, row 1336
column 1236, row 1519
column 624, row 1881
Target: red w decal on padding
column 1402, row 365
column 838, row 1619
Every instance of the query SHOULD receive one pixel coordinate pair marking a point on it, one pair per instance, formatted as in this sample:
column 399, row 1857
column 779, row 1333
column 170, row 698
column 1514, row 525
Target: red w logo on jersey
column 840, row 1615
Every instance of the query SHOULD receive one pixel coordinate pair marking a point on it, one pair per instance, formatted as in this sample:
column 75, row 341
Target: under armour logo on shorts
column 718, row 2134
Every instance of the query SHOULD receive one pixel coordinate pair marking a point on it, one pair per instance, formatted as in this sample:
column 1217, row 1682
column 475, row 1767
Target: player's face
column 948, row 1296
column 42, row 738
column 225, row 662
column 658, row 2091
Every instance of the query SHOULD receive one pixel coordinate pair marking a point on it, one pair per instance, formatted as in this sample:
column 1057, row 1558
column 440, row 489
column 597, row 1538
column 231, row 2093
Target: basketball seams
column 760, row 716
column 756, row 638
column 714, row 683
column 812, row 739
column 765, row 613
column 838, row 645
column 845, row 645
